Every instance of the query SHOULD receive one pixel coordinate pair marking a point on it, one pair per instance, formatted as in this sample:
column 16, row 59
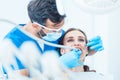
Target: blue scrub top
column 18, row 38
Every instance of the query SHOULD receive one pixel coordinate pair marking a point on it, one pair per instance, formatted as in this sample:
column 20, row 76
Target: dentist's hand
column 95, row 44
column 71, row 59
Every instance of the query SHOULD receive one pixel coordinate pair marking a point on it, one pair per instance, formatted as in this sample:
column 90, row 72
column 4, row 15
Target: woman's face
column 75, row 39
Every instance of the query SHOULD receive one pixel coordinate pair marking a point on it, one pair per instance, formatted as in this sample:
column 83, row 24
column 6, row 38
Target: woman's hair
column 86, row 69
column 69, row 30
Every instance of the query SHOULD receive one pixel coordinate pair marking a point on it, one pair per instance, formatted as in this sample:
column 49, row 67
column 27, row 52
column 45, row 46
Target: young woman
column 78, row 39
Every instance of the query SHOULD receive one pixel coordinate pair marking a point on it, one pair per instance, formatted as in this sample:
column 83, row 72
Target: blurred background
column 94, row 21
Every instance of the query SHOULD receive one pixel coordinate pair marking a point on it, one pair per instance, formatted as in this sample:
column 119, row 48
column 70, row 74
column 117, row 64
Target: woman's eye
column 70, row 40
column 81, row 40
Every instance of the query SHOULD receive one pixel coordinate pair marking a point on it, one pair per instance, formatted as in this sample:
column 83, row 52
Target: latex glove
column 95, row 44
column 71, row 59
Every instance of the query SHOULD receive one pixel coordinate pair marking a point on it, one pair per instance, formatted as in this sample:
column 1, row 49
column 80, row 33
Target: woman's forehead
column 74, row 33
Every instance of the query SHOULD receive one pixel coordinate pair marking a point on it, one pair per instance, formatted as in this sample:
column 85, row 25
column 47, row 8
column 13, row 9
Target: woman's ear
column 62, row 51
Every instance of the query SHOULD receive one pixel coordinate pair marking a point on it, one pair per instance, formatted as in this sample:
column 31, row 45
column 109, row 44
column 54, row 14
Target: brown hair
column 86, row 69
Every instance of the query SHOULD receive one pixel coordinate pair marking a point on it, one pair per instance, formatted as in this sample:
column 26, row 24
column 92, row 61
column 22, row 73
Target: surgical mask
column 52, row 35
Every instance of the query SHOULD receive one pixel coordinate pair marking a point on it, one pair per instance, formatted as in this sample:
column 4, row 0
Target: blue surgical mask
column 53, row 36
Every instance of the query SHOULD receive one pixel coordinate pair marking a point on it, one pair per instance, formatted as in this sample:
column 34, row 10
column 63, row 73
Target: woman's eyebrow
column 69, row 37
column 81, row 36
column 66, row 38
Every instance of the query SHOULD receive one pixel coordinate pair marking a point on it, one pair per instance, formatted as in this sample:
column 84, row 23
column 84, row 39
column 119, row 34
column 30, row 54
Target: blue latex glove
column 71, row 59
column 95, row 44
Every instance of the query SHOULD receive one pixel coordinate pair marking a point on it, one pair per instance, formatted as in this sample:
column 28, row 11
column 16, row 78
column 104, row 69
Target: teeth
column 75, row 48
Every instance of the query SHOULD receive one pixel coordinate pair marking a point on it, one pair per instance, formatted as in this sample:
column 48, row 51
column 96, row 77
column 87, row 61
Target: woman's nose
column 76, row 43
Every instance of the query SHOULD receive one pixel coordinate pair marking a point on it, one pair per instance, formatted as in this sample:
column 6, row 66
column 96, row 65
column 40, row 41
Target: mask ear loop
column 59, row 5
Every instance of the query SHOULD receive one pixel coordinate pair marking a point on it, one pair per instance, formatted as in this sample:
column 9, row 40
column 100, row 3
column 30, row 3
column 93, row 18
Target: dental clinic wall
column 106, row 25
column 114, row 44
column 14, row 11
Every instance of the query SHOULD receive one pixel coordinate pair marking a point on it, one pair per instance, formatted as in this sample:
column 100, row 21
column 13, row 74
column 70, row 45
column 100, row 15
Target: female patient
column 78, row 39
